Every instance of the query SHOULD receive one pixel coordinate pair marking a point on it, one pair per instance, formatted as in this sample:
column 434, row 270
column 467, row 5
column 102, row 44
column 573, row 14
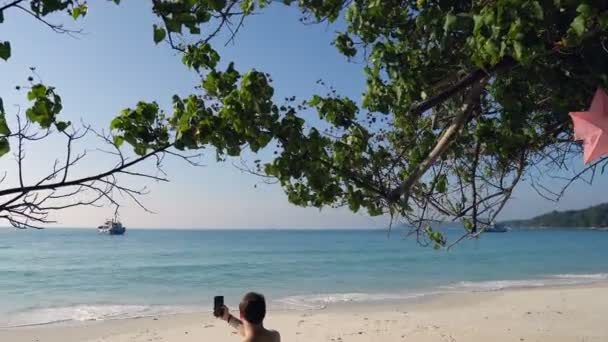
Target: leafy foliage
column 463, row 100
column 144, row 128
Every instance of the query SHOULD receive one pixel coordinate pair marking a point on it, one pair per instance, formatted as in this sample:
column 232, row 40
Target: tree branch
column 56, row 28
column 10, row 4
column 446, row 139
column 472, row 78
column 78, row 181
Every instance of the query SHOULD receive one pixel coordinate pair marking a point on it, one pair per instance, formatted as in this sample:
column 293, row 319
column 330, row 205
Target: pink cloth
column 592, row 127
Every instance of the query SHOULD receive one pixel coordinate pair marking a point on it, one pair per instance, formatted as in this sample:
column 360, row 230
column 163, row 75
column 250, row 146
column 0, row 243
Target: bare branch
column 80, row 180
column 29, row 206
column 57, row 28
column 138, row 174
column 10, row 4
column 190, row 159
column 20, row 154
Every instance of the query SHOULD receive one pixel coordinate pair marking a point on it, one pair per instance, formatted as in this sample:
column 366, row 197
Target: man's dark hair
column 253, row 307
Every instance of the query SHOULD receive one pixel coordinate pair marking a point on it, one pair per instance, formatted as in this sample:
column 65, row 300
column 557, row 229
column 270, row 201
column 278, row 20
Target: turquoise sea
column 58, row 275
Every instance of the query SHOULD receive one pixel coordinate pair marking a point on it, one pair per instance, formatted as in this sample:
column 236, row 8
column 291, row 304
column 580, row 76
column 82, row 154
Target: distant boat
column 112, row 227
column 496, row 228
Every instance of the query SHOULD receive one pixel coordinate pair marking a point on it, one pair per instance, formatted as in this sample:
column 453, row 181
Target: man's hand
column 225, row 313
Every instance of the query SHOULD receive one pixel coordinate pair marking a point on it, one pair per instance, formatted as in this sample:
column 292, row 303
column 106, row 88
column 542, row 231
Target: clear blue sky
column 116, row 63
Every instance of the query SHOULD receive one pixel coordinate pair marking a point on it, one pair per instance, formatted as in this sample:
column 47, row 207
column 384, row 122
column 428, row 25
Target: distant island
column 592, row 217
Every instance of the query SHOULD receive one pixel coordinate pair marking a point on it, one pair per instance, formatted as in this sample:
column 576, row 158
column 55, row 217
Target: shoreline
column 553, row 313
column 299, row 303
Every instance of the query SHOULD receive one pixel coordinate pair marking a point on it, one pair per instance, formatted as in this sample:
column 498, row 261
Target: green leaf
column 5, row 50
column 491, row 49
column 537, row 10
column 36, row 92
column 210, row 83
column 4, row 146
column 79, row 11
column 436, row 237
column 116, row 123
column 584, row 9
column 140, row 149
column 468, row 225
column 247, row 6
column 345, row 45
column 442, row 184
column 450, row 21
column 197, row 56
column 118, row 140
column 217, row 5
column 315, row 100
column 194, row 30
column 578, row 26
column 518, row 47
column 4, row 130
column 159, row 34
column 174, row 26
column 62, row 125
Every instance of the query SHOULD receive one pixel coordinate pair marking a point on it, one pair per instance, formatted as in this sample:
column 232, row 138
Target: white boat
column 496, row 228
column 112, row 227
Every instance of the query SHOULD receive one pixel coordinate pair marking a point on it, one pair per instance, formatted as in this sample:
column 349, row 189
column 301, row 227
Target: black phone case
column 218, row 302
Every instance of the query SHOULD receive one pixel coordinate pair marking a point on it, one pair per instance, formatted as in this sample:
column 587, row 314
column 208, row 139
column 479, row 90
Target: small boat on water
column 112, row 227
column 496, row 228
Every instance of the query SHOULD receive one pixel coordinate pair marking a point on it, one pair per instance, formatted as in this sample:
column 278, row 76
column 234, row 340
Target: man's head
column 253, row 308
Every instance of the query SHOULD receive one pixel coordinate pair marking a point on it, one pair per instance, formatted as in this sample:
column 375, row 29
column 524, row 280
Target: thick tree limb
column 474, row 77
column 446, row 139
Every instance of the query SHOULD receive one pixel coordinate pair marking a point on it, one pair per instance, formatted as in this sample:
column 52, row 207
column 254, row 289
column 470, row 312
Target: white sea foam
column 592, row 276
column 553, row 280
column 81, row 313
column 321, row 301
column 495, row 285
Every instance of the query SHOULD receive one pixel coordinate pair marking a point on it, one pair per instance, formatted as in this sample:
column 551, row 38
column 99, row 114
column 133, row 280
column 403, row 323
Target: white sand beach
column 559, row 314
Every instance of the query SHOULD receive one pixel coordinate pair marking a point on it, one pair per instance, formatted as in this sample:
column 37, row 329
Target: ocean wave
column 321, row 301
column 551, row 280
column 82, row 313
column 495, row 285
column 591, row 276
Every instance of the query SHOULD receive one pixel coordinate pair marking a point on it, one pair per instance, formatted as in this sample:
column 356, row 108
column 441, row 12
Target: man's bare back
column 252, row 310
column 264, row 336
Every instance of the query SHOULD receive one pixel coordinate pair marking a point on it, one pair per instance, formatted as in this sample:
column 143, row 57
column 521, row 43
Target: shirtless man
column 250, row 325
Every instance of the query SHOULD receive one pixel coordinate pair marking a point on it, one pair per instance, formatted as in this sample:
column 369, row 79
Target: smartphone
column 218, row 306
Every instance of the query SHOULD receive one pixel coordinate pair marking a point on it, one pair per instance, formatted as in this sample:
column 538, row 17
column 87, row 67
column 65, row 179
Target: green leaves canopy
column 463, row 99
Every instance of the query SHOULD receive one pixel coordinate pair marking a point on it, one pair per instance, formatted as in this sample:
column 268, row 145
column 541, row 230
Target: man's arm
column 236, row 324
column 233, row 321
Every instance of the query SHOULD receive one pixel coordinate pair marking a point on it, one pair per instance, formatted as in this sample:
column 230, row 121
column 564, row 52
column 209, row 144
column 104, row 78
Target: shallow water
column 76, row 274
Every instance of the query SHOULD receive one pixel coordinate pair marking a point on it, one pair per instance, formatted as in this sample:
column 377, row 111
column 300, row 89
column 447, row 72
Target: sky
column 115, row 63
